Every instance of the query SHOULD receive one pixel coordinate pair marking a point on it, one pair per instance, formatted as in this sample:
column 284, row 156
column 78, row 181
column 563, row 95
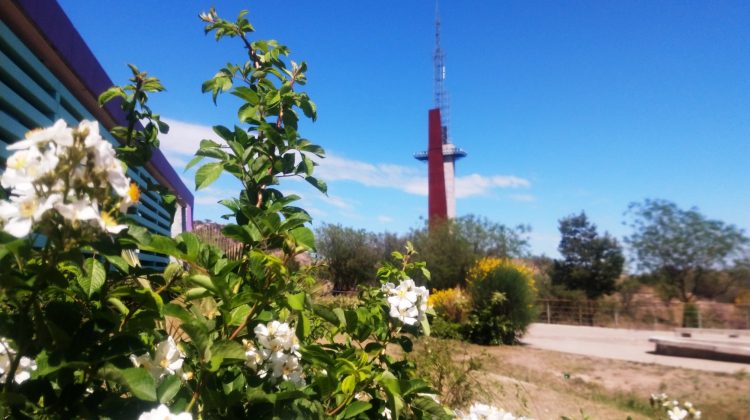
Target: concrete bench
column 731, row 333
column 738, row 352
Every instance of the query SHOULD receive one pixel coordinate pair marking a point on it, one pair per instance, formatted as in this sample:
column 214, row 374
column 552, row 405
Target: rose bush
column 89, row 333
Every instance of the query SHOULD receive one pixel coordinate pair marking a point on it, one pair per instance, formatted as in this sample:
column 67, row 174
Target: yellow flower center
column 108, row 219
column 27, row 208
column 134, row 193
column 17, row 161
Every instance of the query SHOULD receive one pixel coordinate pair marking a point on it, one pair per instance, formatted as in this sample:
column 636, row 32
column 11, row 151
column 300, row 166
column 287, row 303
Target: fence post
column 580, row 315
column 549, row 318
column 700, row 321
column 616, row 316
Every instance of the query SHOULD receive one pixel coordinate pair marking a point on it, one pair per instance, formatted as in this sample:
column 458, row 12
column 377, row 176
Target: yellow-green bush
column 502, row 294
column 453, row 305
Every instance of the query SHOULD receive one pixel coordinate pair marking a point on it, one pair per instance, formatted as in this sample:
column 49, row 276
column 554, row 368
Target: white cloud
column 183, row 140
column 408, row 179
column 338, row 202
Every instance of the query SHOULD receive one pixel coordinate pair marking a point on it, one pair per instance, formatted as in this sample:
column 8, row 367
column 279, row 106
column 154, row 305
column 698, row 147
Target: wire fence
column 642, row 315
column 211, row 234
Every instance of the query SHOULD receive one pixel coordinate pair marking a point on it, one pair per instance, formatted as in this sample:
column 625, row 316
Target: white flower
column 407, row 315
column 109, row 224
column 677, row 413
column 21, row 211
column 26, row 166
column 162, row 413
column 25, row 364
column 254, row 357
column 83, row 209
column 479, row 411
column 408, row 303
column 696, row 414
column 387, row 413
column 275, row 336
column 167, row 359
column 278, row 353
column 59, row 133
column 69, row 169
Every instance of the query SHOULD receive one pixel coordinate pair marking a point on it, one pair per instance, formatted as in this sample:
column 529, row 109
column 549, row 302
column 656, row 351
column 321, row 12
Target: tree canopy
column 682, row 246
column 591, row 262
column 451, row 247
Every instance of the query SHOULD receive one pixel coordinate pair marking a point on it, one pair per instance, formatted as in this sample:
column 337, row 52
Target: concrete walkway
column 621, row 344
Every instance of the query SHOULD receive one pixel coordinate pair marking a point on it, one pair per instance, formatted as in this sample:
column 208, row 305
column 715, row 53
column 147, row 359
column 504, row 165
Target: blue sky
column 561, row 106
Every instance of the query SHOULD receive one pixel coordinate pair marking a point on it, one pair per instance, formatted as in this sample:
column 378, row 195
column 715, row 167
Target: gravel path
column 615, row 343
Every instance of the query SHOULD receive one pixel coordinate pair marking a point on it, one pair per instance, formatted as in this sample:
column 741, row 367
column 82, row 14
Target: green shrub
column 690, row 315
column 448, row 370
column 502, row 295
column 442, row 328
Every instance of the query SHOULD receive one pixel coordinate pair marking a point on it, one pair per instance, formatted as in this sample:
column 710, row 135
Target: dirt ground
column 545, row 384
column 621, row 344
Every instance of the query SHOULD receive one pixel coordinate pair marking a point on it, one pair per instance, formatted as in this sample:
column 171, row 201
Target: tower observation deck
column 441, row 155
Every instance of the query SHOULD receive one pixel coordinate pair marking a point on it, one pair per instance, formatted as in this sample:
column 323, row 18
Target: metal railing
column 642, row 315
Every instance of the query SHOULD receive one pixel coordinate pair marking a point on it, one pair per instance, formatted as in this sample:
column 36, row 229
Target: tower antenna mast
column 441, row 96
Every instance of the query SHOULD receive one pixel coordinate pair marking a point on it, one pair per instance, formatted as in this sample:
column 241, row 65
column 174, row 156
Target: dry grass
column 546, row 385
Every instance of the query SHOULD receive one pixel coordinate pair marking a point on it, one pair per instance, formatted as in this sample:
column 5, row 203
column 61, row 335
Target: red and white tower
column 441, row 154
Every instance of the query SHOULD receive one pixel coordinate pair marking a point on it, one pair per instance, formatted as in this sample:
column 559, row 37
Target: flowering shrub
column 502, row 296
column 452, row 304
column 66, row 179
column 90, row 333
column 673, row 409
column 486, row 265
column 408, row 302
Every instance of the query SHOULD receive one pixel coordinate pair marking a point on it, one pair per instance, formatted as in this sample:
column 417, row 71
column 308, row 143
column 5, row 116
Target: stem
column 279, row 121
column 242, row 326
column 340, row 406
column 196, row 393
column 131, row 109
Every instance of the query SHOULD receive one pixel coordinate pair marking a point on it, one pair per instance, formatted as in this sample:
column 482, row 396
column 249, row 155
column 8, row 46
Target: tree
column 682, row 246
column 450, row 248
column 447, row 254
column 488, row 238
column 351, row 255
column 591, row 263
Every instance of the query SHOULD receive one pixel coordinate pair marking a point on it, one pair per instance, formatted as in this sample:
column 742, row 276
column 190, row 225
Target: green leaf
column 228, row 350
column 317, row 183
column 238, row 315
column 349, row 384
column 406, row 343
column 355, row 408
column 193, row 162
column 326, row 314
column 168, row 388
column 425, row 326
column 303, row 326
column 296, row 301
column 304, row 237
column 177, row 311
column 429, row 408
column 204, row 281
column 207, row 174
column 137, row 380
column 118, row 262
column 117, row 303
column 111, row 93
column 93, row 276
